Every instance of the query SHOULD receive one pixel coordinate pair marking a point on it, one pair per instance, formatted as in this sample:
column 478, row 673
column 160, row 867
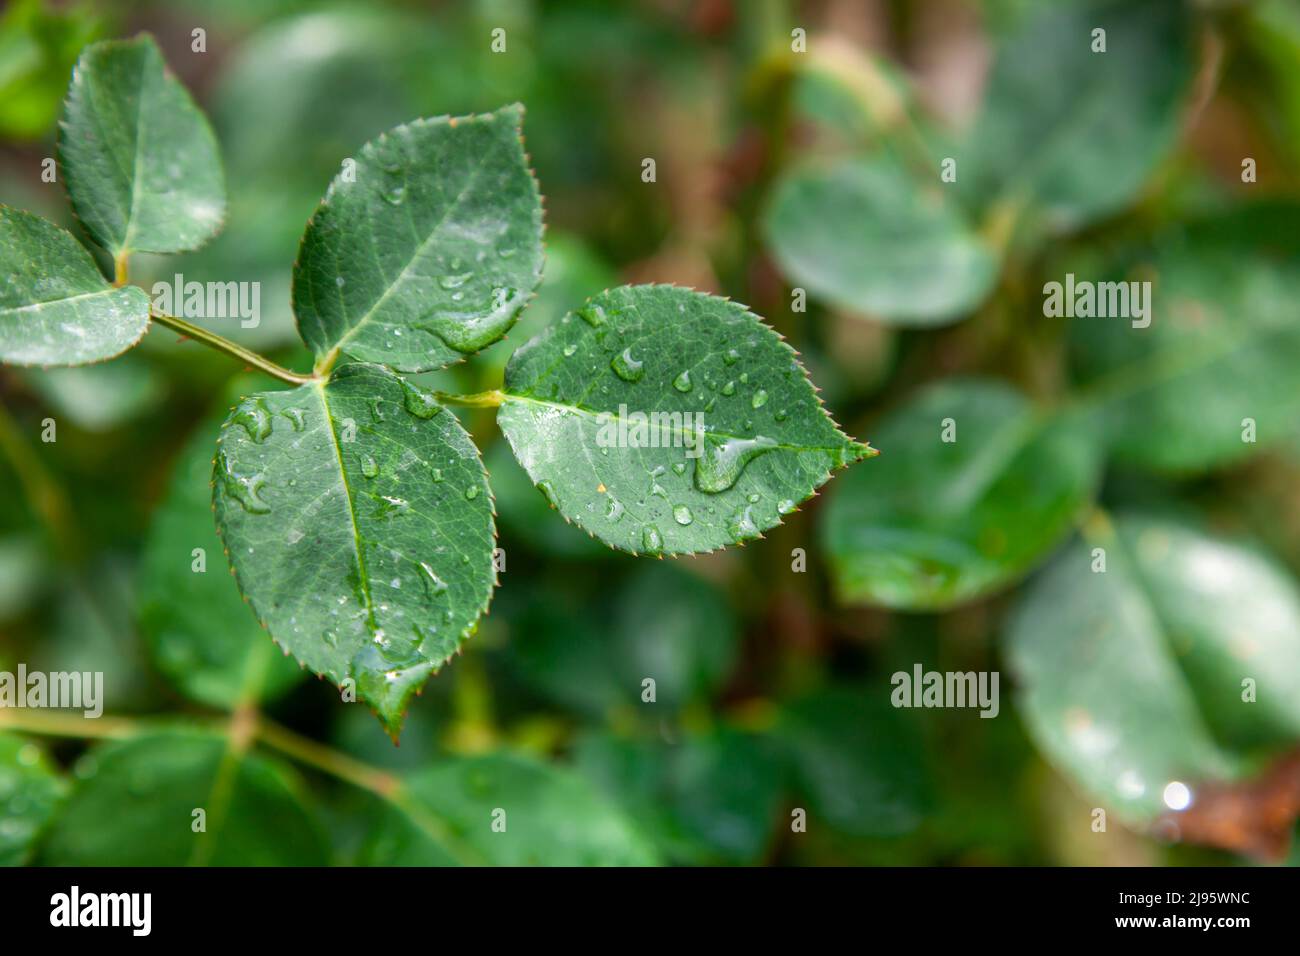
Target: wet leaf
column 427, row 248
column 718, row 381
column 56, row 307
column 359, row 523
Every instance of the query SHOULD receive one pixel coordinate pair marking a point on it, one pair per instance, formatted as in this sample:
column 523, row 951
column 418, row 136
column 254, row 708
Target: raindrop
column 295, row 417
column 729, row 388
column 471, row 492
column 246, row 489
column 723, row 461
column 593, row 315
column 682, row 515
column 683, row 382
column 626, row 367
column 651, row 541
column 252, row 413
column 418, row 402
column 742, row 525
column 759, row 399
column 368, row 466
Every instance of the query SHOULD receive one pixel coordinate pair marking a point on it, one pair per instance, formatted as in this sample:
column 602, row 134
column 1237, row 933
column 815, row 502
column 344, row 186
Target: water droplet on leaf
column 626, row 367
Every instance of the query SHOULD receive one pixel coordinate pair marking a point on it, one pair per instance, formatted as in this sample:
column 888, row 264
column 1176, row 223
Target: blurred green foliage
column 777, row 170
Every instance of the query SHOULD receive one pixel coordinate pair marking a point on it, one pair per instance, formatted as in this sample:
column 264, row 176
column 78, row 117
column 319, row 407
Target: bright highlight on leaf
column 665, row 421
column 868, row 237
column 428, row 249
column 1132, row 677
column 140, row 160
column 56, row 307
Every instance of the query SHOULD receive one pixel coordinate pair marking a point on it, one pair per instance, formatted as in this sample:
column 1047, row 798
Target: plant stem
column 489, row 399
column 326, row 759
column 212, row 340
column 53, row 723
column 121, row 270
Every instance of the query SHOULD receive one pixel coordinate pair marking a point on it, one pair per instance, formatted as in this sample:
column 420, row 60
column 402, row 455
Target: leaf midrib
column 592, row 413
column 352, row 509
column 415, row 256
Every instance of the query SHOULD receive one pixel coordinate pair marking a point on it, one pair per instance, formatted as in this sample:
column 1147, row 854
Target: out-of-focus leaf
column 200, row 633
column 99, row 397
column 139, row 159
column 134, row 804
column 23, row 564
column 865, row 235
column 1272, row 33
column 767, row 442
column 1223, row 346
column 1074, row 133
column 30, row 790
column 857, row 761
column 949, row 521
column 708, row 799
column 450, row 221
column 659, row 623
column 37, row 50
column 56, row 308
column 359, row 523
column 503, row 810
column 1133, row 678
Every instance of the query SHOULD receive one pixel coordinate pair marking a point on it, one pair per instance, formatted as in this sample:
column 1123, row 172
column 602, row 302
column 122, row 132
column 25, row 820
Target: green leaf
column 56, row 307
column 862, row 233
column 139, row 158
column 198, row 629
column 99, row 398
column 359, row 523
column 950, row 521
column 1223, row 346
column 767, row 442
column 551, row 817
column 1133, row 678
column 30, row 791
column 709, row 799
column 526, row 516
column 428, row 250
column 591, row 651
column 1073, row 133
column 856, row 760
column 134, row 805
